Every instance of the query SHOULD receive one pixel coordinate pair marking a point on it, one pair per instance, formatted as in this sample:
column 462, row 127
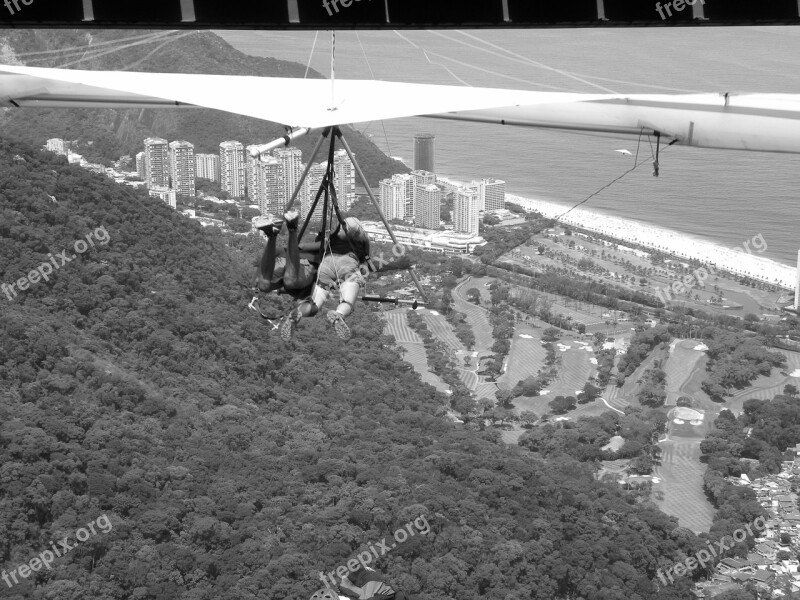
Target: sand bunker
column 795, row 373
column 593, row 360
column 526, row 336
column 434, row 313
column 688, row 414
column 544, row 392
column 677, row 421
column 701, row 347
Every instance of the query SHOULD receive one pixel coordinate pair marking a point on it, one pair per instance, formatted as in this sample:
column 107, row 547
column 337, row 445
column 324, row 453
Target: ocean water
column 726, row 197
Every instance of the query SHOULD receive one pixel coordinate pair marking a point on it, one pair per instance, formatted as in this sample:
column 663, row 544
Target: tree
column 528, row 418
column 551, row 334
column 505, row 398
column 560, row 404
column 474, row 295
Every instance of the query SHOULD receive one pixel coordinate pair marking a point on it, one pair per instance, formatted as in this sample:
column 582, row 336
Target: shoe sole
column 341, row 328
column 289, row 326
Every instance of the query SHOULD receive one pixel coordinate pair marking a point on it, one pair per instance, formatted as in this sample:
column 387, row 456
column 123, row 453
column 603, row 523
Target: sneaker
column 337, row 320
column 292, row 218
column 289, row 325
column 268, row 224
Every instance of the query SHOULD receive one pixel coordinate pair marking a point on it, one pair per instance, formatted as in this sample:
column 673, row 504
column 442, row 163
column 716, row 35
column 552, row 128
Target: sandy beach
column 744, row 260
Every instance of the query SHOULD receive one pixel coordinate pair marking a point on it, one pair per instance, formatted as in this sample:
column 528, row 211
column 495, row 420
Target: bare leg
column 267, row 266
column 348, row 294
column 292, row 272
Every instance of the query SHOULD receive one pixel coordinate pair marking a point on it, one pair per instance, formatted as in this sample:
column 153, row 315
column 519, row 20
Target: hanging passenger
column 342, row 267
column 281, row 268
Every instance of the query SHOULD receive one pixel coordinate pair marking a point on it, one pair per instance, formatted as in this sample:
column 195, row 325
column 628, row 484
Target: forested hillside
column 106, row 134
column 235, row 466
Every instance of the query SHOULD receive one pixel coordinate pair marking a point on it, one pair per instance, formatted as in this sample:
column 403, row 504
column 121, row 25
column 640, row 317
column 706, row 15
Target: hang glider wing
column 756, row 122
column 764, row 122
column 291, row 102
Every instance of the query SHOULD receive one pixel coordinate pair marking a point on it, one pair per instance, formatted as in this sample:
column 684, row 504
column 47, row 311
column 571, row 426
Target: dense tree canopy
column 233, row 465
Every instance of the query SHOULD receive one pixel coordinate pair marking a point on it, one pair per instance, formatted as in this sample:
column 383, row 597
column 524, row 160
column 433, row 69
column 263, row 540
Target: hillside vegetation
column 236, row 466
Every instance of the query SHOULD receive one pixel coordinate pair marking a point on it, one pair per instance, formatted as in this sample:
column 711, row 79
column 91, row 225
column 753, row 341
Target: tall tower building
column 181, row 167
column 428, row 209
column 345, row 179
column 251, row 174
column 141, row 168
column 393, row 198
column 156, row 161
column 271, row 190
column 207, row 166
column 420, row 180
column 467, row 207
column 313, row 181
column 291, row 160
column 491, row 194
column 232, row 168
column 423, row 151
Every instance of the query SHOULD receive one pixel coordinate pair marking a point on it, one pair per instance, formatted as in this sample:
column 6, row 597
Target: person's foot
column 268, row 224
column 289, row 325
column 292, row 218
column 337, row 320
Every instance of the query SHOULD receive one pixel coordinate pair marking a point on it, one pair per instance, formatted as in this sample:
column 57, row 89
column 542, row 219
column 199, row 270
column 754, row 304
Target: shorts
column 336, row 268
column 305, row 275
column 299, row 288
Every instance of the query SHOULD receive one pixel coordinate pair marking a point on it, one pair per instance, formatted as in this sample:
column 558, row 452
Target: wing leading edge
column 762, row 122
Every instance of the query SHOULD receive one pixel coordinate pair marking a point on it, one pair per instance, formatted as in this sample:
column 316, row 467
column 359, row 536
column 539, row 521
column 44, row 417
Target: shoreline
column 737, row 261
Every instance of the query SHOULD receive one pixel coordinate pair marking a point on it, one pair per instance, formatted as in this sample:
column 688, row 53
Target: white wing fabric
column 765, row 122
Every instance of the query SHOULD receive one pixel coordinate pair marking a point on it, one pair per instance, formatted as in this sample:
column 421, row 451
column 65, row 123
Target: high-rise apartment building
column 467, row 208
column 291, row 160
column 271, row 190
column 491, row 194
column 423, row 151
column 313, row 183
column 420, row 180
column 141, row 167
column 393, row 198
column 428, row 209
column 251, row 175
column 232, row 168
column 207, row 166
column 345, row 181
column 182, row 167
column 156, row 161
